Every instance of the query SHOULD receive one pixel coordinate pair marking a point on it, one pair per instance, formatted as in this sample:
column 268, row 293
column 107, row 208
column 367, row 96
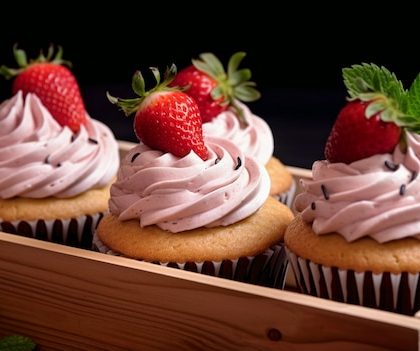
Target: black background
column 296, row 53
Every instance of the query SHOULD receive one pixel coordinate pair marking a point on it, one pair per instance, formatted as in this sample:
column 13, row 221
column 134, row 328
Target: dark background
column 296, row 55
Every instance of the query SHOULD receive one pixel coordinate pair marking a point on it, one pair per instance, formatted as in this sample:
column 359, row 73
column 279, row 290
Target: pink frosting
column 369, row 197
column 256, row 139
column 179, row 194
column 39, row 158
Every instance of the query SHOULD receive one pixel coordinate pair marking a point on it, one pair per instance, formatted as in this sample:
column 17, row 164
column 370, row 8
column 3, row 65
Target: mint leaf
column 414, row 98
column 410, row 123
column 386, row 94
column 16, row 343
column 370, row 78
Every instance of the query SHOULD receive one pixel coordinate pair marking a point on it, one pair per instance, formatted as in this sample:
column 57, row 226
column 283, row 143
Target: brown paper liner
column 77, row 232
column 387, row 291
column 267, row 269
column 288, row 196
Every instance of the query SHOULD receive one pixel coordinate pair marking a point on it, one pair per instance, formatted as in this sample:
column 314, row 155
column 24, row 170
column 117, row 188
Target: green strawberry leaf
column 231, row 85
column 370, row 78
column 23, row 63
column 20, row 57
column 137, row 83
column 246, row 92
column 234, row 62
column 239, row 76
column 213, row 63
column 217, row 93
column 130, row 106
column 374, row 108
column 8, row 73
column 156, row 74
column 16, row 343
column 169, row 75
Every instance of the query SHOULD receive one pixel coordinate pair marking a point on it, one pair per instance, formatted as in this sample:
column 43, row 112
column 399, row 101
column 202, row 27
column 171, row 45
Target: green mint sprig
column 414, row 97
column 369, row 82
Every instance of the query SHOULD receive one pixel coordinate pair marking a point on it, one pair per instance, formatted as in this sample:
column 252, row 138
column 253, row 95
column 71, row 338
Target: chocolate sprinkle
column 137, row 154
column 391, row 166
column 325, row 192
column 239, row 163
column 402, row 190
column 93, row 141
column 413, row 176
column 274, row 334
column 58, row 164
column 217, row 161
column 47, row 159
column 313, row 206
column 73, row 138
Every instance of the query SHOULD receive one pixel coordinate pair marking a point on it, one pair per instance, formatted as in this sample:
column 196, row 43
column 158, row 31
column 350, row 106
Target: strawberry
column 165, row 118
column 199, row 86
column 53, row 83
column 213, row 89
column 372, row 121
column 354, row 136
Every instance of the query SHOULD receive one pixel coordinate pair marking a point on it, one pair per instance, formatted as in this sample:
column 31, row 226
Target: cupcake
column 196, row 204
column 356, row 236
column 56, row 163
column 218, row 95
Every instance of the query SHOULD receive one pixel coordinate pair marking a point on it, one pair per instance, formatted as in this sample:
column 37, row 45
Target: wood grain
column 297, row 172
column 71, row 299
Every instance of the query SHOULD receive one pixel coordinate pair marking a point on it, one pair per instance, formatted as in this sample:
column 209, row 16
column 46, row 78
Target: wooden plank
column 72, row 299
column 125, row 146
column 300, row 172
column 91, row 301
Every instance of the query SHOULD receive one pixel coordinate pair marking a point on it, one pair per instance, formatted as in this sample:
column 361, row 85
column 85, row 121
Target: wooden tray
column 72, row 299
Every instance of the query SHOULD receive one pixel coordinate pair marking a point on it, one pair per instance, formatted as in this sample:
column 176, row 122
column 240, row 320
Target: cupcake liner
column 76, row 232
column 267, row 269
column 288, row 196
column 387, row 291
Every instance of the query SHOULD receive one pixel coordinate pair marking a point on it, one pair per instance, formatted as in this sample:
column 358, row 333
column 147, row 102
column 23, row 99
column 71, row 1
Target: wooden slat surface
column 71, row 299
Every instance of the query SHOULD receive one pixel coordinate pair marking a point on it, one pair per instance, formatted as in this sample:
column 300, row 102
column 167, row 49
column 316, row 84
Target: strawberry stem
column 231, row 86
column 130, row 106
column 22, row 61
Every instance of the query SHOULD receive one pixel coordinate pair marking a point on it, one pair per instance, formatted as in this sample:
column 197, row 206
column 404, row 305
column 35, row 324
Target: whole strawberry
column 166, row 119
column 212, row 88
column 53, row 83
column 354, row 136
column 372, row 121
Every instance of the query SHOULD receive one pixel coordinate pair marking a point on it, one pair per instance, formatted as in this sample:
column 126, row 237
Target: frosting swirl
column 179, row 194
column 256, row 139
column 378, row 196
column 39, row 158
